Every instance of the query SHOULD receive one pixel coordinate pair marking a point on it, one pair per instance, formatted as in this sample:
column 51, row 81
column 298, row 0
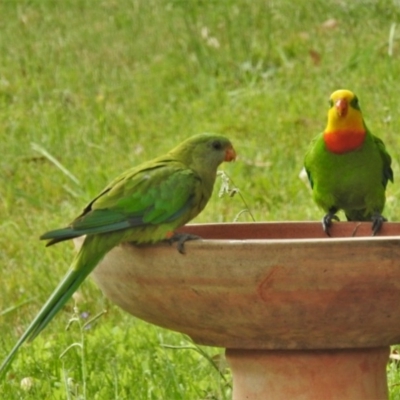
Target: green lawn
column 89, row 88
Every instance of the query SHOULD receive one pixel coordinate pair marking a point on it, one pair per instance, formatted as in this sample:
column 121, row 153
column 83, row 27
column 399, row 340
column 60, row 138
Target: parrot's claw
column 377, row 222
column 180, row 239
column 327, row 221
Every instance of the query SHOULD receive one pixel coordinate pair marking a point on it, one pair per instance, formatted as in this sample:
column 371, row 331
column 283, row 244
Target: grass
column 88, row 89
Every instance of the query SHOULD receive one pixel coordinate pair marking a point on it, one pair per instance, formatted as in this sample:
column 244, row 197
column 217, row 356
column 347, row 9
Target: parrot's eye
column 330, row 103
column 216, row 144
column 354, row 103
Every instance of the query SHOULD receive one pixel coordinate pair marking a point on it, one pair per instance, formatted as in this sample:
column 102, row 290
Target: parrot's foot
column 377, row 222
column 180, row 239
column 327, row 221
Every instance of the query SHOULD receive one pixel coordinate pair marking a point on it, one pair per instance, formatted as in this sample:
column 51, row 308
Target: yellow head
column 345, row 130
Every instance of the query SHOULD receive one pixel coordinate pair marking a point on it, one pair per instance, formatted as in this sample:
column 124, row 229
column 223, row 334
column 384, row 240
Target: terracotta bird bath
column 301, row 315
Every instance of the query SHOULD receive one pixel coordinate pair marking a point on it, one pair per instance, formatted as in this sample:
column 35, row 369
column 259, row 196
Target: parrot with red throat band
column 347, row 166
column 146, row 204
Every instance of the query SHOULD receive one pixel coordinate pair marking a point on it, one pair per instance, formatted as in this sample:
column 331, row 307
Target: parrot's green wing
column 387, row 161
column 159, row 193
column 306, row 162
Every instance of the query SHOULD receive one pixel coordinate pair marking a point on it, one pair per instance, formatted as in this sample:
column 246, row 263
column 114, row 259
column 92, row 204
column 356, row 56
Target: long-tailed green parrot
column 347, row 166
column 143, row 205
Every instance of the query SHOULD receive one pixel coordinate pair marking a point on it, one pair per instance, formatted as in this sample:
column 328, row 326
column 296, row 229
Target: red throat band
column 343, row 141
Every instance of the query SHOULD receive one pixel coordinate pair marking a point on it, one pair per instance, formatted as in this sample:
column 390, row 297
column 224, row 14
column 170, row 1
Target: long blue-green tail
column 90, row 254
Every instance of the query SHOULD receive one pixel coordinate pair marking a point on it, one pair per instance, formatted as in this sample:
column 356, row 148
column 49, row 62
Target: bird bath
column 301, row 315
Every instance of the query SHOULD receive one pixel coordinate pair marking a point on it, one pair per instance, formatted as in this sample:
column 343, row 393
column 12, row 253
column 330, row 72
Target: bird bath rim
column 290, row 230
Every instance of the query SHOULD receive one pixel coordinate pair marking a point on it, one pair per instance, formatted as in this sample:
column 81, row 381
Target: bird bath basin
column 301, row 315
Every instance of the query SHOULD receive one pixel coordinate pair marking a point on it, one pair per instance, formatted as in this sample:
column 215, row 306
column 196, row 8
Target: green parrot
column 347, row 166
column 143, row 205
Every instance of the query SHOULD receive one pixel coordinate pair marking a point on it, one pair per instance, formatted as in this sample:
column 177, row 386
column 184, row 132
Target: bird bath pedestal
column 301, row 315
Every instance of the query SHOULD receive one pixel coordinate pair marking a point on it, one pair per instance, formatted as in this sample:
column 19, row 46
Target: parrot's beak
column 341, row 107
column 230, row 154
